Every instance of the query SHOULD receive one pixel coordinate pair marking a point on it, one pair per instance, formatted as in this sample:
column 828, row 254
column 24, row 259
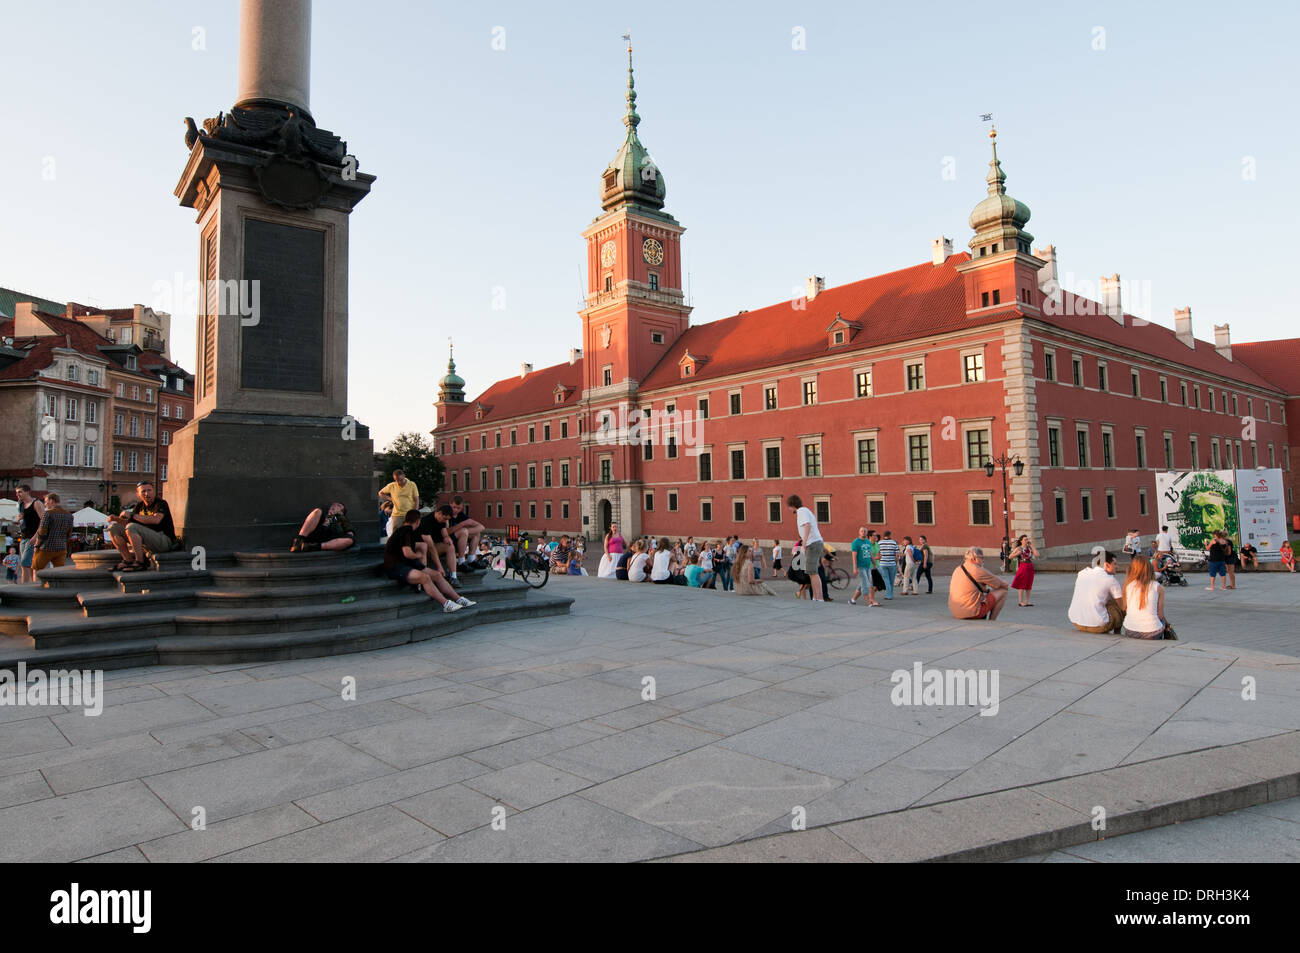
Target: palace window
column 867, row 455
column 918, row 452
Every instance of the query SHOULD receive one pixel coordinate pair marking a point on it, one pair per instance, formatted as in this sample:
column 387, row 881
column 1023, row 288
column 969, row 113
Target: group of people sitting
column 730, row 566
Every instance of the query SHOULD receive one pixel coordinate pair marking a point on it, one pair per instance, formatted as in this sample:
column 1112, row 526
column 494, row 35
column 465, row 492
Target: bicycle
column 835, row 575
column 532, row 567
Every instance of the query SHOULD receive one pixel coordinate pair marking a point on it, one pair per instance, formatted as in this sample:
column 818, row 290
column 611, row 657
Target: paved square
column 764, row 710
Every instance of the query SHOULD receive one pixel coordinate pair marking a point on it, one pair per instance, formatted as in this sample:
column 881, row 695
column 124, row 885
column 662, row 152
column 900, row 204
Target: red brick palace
column 879, row 402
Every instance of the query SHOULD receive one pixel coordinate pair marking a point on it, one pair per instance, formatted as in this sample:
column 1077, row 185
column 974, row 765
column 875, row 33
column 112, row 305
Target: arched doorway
column 606, row 517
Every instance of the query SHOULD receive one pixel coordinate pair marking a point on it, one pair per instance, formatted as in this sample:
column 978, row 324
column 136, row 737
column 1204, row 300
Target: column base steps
column 242, row 607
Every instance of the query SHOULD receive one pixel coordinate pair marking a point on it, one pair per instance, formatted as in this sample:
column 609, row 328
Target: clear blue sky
column 780, row 162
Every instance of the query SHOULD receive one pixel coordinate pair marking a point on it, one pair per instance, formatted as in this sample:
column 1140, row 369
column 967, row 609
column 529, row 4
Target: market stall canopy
column 8, row 510
column 89, row 516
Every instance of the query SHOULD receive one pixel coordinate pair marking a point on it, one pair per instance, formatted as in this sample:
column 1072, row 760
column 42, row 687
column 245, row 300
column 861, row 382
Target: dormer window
column 611, row 179
column 689, row 363
column 840, row 331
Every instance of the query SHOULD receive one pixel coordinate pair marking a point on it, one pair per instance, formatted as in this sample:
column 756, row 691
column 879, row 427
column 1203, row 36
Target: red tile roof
column 37, row 359
column 1081, row 316
column 899, row 306
column 1278, row 361
column 515, row 396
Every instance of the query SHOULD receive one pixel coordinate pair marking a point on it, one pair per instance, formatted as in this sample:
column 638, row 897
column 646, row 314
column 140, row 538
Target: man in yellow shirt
column 404, row 494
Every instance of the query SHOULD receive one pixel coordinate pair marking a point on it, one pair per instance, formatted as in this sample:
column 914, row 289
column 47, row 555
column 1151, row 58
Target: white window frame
column 982, row 370
column 971, row 497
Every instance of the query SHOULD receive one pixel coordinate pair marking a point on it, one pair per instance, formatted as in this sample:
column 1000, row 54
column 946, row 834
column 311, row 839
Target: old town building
column 880, row 402
column 92, row 394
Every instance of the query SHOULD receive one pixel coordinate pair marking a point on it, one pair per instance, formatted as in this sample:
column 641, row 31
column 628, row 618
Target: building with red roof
column 90, row 396
column 883, row 402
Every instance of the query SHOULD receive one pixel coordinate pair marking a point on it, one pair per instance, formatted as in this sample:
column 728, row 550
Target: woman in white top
column 776, row 557
column 666, row 571
column 1144, row 600
column 636, row 566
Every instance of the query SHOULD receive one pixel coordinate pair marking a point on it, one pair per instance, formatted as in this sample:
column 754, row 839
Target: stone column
column 274, row 53
column 270, row 438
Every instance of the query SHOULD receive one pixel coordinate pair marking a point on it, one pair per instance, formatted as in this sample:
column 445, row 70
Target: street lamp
column 106, row 489
column 1018, row 466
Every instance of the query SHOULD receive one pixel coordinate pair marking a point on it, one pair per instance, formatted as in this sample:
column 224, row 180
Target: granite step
column 134, row 649
column 37, row 597
column 178, row 614
column 340, row 575
column 380, row 587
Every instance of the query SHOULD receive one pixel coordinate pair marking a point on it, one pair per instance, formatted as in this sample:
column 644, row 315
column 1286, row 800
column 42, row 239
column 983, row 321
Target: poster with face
column 1262, row 512
column 1195, row 504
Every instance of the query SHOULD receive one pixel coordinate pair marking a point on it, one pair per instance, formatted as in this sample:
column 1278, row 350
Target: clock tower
column 635, row 313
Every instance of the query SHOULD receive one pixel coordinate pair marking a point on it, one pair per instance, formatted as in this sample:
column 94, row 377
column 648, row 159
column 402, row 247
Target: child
column 1288, row 555
column 11, row 564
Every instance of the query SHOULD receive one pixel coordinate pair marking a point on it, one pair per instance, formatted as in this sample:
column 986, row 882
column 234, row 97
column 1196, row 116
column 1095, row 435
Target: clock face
column 608, row 252
column 653, row 250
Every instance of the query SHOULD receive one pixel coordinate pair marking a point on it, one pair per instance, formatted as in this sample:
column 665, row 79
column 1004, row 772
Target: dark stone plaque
column 285, row 349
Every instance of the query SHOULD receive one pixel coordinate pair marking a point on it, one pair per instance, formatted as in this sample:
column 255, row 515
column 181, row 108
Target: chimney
column 26, row 323
column 575, row 354
column 1049, row 282
column 815, row 286
column 941, row 248
column 1183, row 326
column 1222, row 343
column 525, row 370
column 1110, row 299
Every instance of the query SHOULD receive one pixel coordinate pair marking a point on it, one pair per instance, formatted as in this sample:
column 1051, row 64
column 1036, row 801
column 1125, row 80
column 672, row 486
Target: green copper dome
column 452, row 386
column 999, row 220
column 632, row 178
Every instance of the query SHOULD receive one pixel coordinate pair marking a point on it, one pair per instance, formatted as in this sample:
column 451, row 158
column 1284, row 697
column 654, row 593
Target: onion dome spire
column 632, row 179
column 999, row 219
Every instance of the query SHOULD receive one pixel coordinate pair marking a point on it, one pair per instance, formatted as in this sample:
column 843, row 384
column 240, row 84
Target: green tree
column 414, row 453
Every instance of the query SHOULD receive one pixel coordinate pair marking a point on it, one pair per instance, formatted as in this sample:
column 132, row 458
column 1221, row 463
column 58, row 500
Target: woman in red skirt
column 1024, row 582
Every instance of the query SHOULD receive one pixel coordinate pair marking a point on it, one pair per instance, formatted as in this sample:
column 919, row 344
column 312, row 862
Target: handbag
column 877, row 580
column 985, row 604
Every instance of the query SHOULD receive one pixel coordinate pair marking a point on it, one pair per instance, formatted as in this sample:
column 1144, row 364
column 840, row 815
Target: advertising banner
column 1194, row 504
column 1262, row 511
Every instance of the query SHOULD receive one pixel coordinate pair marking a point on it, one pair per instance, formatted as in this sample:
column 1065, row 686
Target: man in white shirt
column 811, row 537
column 1164, row 541
column 1098, row 603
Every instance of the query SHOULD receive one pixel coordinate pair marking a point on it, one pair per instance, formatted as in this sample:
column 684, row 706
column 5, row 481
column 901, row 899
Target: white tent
column 89, row 516
column 8, row 511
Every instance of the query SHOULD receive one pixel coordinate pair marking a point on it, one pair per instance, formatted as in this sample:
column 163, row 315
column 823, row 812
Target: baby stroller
column 1168, row 572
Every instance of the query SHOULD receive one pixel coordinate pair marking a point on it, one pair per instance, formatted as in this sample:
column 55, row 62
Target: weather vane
column 628, row 36
column 986, row 117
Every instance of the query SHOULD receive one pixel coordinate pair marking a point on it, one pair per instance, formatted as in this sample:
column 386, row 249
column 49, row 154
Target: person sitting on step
column 325, row 529
column 466, row 532
column 440, row 542
column 143, row 530
column 404, row 561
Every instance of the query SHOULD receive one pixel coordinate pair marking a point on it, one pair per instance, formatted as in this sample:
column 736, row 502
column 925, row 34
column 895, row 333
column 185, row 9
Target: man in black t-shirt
column 436, row 533
column 404, row 562
column 144, row 529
